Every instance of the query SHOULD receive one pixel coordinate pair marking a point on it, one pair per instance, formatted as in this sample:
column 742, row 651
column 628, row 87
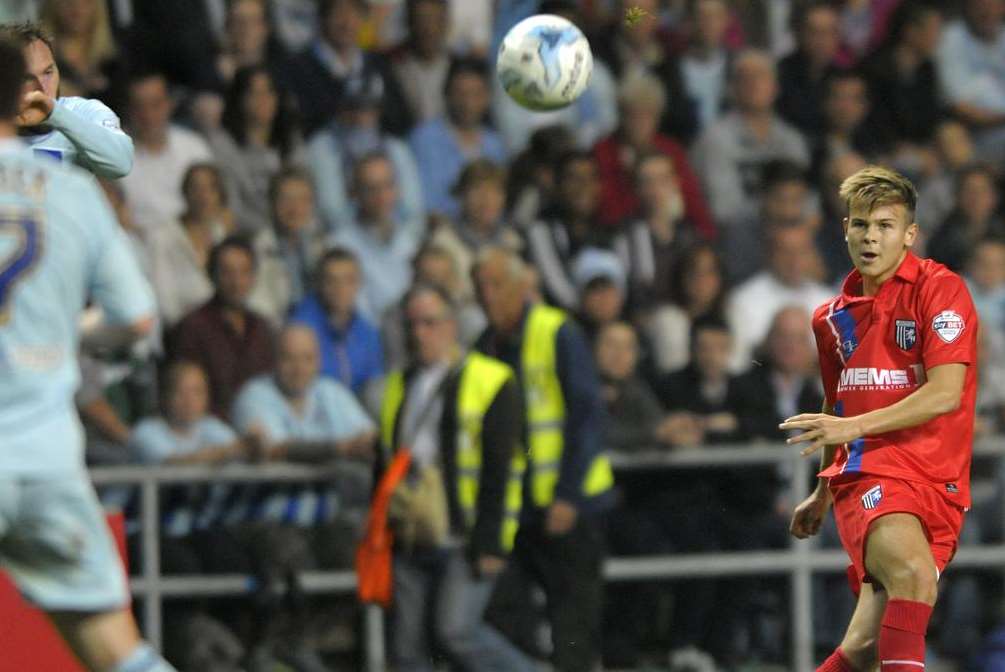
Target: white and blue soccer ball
column 544, row 62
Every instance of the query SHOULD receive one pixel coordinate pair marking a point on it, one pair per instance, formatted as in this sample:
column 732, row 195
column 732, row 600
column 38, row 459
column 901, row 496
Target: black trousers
column 569, row 570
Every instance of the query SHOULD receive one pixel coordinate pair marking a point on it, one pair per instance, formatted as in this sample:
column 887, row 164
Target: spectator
column 77, row 130
column 164, row 153
column 601, row 284
column 903, row 85
column 697, row 290
column 638, row 47
column 802, row 74
column 231, row 342
column 248, row 41
column 969, row 60
column 289, row 249
column 864, row 26
column 954, row 151
column 257, row 138
column 334, row 66
column 986, row 281
column 650, row 245
column 470, row 27
column 570, row 226
column 700, row 399
column 350, row 346
column 481, row 191
column 975, row 218
column 179, row 252
column 299, row 416
column 641, row 100
column 787, row 281
column 704, row 63
column 442, row 146
column 531, row 185
column 731, row 154
column 592, row 116
column 335, row 149
column 421, row 64
column 85, row 50
column 632, row 408
column 785, row 385
column 383, row 242
column 186, row 433
column 436, row 266
column 560, row 543
column 846, row 108
column 459, row 415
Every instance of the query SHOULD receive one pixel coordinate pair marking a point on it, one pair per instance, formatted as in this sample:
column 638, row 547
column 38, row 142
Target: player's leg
column 899, row 557
column 108, row 642
column 858, row 650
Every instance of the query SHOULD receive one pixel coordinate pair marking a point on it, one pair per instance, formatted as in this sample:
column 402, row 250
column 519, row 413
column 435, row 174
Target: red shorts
column 862, row 499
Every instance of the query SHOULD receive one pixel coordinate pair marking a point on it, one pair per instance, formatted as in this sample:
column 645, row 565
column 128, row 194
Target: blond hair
column 875, row 186
column 101, row 44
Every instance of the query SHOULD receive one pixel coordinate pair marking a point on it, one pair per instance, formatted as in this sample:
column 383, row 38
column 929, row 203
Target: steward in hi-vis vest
column 455, row 516
column 560, row 544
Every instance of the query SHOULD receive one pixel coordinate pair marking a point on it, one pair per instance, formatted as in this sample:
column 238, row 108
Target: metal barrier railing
column 800, row 562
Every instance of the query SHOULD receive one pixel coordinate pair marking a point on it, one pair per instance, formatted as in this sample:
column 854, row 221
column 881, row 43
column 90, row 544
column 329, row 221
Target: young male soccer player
column 70, row 129
column 59, row 245
column 898, row 356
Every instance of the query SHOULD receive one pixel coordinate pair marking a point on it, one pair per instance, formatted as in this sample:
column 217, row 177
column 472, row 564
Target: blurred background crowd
column 304, row 162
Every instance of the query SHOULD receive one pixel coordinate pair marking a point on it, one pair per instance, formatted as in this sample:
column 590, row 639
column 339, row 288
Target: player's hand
column 810, row 514
column 36, row 107
column 821, row 430
column 561, row 518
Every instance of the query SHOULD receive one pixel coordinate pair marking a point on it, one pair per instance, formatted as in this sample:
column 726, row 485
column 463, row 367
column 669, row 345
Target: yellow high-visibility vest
column 481, row 379
column 546, row 410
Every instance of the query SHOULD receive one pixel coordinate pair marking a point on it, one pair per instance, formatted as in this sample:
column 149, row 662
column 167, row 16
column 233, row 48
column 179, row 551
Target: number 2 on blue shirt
column 20, row 248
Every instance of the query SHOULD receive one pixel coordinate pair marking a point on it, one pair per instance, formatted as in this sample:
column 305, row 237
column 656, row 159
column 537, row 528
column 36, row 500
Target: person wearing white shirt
column 164, row 152
column 71, row 130
column 786, row 282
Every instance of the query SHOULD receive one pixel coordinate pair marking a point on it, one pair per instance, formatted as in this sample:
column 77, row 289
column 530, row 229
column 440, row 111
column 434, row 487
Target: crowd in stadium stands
column 300, row 164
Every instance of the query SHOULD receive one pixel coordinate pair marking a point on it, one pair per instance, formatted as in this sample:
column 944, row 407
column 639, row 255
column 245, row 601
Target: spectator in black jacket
column 335, row 64
column 802, row 74
column 632, row 407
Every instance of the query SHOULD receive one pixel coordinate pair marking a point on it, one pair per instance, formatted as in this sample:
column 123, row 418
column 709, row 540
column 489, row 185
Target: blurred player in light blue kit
column 59, row 245
column 69, row 130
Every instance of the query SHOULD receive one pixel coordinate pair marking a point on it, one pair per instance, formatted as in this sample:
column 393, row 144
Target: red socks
column 836, row 663
column 902, row 636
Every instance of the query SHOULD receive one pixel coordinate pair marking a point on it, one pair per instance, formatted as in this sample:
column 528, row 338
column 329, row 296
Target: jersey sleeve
column 116, row 282
column 97, row 134
column 948, row 322
column 830, row 365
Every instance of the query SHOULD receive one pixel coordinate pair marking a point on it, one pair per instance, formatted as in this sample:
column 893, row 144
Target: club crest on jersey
column 948, row 325
column 870, row 500
column 905, row 332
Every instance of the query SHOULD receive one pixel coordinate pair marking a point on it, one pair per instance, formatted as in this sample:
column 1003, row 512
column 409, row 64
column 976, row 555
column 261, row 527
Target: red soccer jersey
column 874, row 351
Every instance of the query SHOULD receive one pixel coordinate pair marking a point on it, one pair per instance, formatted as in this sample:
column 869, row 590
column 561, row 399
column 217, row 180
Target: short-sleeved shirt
column 331, row 414
column 59, row 245
column 875, row 351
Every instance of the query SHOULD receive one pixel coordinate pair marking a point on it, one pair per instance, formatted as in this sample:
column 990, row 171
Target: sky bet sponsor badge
column 870, row 500
column 948, row 325
column 905, row 333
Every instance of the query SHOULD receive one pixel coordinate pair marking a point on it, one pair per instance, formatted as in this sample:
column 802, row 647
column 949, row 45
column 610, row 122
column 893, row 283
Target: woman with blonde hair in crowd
column 83, row 43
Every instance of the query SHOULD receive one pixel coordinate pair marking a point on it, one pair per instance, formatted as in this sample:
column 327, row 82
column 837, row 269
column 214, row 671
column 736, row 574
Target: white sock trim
column 902, row 662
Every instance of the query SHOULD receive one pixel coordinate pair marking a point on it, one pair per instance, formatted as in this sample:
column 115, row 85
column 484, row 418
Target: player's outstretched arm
column 939, row 395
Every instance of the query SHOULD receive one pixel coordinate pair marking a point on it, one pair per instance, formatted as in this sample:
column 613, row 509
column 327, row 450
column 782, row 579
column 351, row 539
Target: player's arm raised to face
column 941, row 394
column 95, row 131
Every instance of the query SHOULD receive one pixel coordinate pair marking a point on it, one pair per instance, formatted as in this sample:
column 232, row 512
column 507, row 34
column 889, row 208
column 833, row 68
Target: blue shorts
column 56, row 546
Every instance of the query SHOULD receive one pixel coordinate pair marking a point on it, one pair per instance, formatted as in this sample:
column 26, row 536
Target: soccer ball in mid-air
column 544, row 62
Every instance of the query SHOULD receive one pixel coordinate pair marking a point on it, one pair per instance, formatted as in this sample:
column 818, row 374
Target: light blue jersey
column 60, row 244
column 85, row 132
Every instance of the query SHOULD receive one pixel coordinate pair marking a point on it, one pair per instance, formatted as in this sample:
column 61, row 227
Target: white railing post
column 802, row 578
column 151, row 561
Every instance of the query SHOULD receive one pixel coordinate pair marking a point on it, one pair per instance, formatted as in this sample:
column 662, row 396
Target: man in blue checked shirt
column 71, row 129
column 59, row 245
column 300, row 416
